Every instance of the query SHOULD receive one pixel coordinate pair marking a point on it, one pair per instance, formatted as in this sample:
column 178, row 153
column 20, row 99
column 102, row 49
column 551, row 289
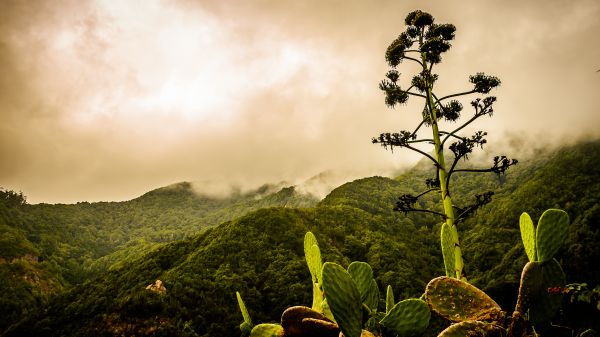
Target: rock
column 157, row 287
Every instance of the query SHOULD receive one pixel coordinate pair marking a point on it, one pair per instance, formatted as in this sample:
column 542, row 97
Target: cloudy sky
column 107, row 99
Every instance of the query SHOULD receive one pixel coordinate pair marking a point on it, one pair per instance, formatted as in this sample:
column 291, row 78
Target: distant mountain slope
column 47, row 248
column 260, row 254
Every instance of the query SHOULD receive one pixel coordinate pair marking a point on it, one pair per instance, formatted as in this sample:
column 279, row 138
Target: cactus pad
column 534, row 295
column 408, row 318
column 293, row 317
column 448, row 250
column 313, row 257
column 343, row 298
column 372, row 299
column 267, row 330
column 472, row 328
column 243, row 309
column 389, row 299
column 459, row 301
column 361, row 274
column 528, row 236
column 552, row 229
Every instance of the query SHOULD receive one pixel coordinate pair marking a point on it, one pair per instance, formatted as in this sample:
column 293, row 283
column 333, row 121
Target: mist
column 105, row 100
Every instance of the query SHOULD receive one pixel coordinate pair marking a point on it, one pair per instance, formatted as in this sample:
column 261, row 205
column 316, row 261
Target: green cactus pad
column 389, row 299
column 361, row 274
column 326, row 310
column 317, row 298
column 472, row 328
column 448, row 250
column 372, row 299
column 312, row 254
column 408, row 318
column 243, row 309
column 459, row 301
column 528, row 236
column 343, row 298
column 535, row 294
column 551, row 232
column 267, row 330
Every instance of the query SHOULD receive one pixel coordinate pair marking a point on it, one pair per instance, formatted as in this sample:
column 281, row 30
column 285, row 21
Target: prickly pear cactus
column 535, row 293
column 389, row 299
column 302, row 321
column 552, row 229
column 343, row 298
column 459, row 301
column 313, row 257
column 362, row 275
column 528, row 236
column 448, row 250
column 408, row 318
column 473, row 328
column 312, row 254
column 246, row 325
column 267, row 330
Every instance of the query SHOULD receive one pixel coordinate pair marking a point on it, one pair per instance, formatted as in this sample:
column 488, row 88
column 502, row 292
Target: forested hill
column 261, row 254
column 45, row 249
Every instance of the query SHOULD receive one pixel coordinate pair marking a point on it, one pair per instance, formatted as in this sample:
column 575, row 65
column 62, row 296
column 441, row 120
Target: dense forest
column 45, row 249
column 52, row 255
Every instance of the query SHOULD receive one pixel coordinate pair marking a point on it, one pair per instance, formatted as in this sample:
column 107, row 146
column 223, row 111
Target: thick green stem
column 443, row 177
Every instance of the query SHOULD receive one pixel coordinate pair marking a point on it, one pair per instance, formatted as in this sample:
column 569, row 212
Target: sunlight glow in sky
column 105, row 100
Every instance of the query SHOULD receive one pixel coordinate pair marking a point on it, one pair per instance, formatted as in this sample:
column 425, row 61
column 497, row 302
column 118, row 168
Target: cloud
column 104, row 100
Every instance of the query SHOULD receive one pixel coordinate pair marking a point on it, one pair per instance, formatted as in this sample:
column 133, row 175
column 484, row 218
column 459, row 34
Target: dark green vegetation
column 261, row 254
column 45, row 249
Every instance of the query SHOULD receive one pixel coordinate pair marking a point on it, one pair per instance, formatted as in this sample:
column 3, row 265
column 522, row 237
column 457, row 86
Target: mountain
column 260, row 254
column 45, row 249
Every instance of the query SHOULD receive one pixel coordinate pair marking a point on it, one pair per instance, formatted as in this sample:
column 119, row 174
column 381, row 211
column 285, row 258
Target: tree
column 423, row 42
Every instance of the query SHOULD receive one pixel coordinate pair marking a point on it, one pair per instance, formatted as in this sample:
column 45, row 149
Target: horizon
column 106, row 100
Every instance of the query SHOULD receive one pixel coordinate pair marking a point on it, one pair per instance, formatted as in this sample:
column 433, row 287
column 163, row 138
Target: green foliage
column 550, row 234
column 267, row 330
column 247, row 324
column 448, row 250
column 528, row 236
column 261, row 254
column 362, row 275
column 389, row 299
column 408, row 317
column 343, row 298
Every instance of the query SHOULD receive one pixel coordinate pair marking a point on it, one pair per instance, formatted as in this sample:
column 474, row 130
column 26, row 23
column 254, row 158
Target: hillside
column 260, row 254
column 45, row 249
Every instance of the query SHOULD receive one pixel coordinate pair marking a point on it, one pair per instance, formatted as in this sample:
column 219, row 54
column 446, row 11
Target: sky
column 104, row 100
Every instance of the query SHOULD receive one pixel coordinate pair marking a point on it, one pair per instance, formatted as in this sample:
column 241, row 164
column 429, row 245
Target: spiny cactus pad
column 472, row 328
column 459, row 301
column 389, row 299
column 343, row 298
column 528, row 236
column 552, row 229
column 372, row 299
column 243, row 309
column 362, row 274
column 313, row 256
column 408, row 318
column 267, row 330
column 535, row 295
column 448, row 250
